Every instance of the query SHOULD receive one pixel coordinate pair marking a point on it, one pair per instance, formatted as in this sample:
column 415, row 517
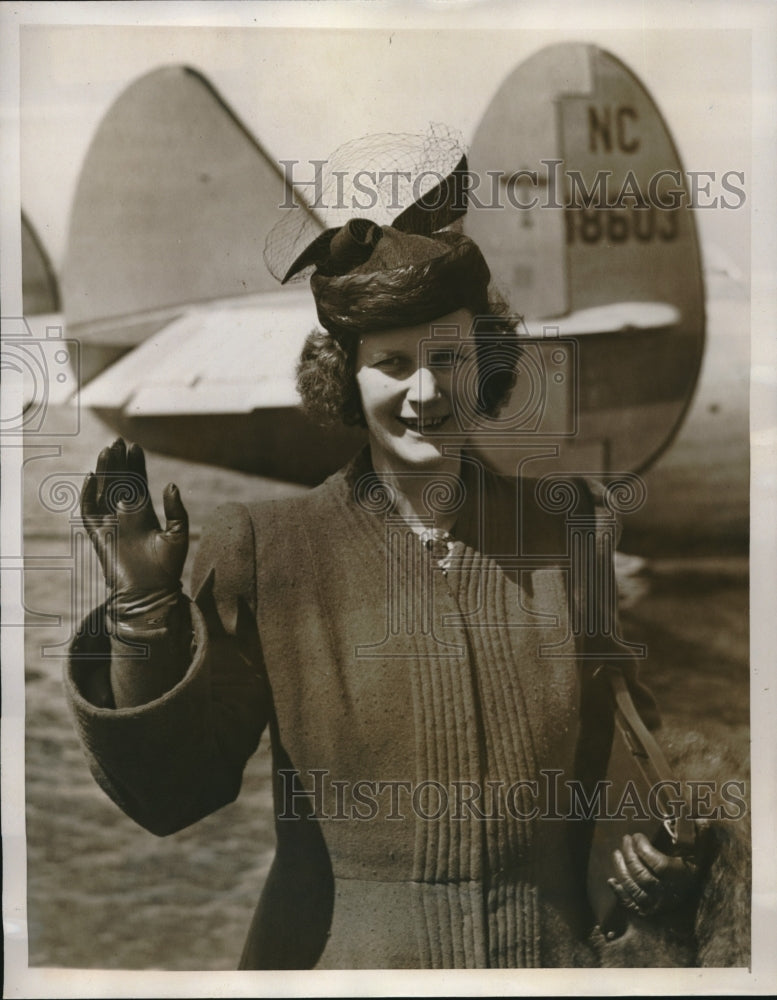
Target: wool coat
column 423, row 723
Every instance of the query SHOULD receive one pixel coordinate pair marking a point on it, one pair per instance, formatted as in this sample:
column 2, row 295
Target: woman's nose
column 423, row 386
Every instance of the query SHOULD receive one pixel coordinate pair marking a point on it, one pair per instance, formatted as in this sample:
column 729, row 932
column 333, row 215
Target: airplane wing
column 223, row 358
column 615, row 317
column 216, row 384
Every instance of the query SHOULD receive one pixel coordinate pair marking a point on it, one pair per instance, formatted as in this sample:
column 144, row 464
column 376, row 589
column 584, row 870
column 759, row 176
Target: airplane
column 188, row 345
column 40, row 288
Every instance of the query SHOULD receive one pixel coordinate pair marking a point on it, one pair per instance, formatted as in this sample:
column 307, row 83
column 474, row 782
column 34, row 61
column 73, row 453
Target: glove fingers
column 136, row 466
column 177, row 520
column 119, row 488
column 117, row 457
column 88, row 502
column 136, row 461
column 126, row 487
column 103, row 463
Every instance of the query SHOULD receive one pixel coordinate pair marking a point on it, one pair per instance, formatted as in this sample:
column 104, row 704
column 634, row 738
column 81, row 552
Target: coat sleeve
column 172, row 760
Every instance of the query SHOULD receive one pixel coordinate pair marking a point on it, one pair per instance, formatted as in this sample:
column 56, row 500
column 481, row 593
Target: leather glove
column 650, row 882
column 142, row 563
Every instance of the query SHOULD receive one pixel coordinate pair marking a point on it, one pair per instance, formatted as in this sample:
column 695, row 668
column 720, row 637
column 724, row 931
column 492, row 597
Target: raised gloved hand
column 650, row 882
column 142, row 563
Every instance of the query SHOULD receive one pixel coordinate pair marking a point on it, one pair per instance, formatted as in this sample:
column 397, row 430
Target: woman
column 394, row 629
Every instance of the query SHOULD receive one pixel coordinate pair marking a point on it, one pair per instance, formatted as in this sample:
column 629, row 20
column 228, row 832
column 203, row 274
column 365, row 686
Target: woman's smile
column 424, row 425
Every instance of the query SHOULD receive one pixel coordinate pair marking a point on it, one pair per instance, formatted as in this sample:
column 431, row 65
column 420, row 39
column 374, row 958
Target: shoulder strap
column 649, row 760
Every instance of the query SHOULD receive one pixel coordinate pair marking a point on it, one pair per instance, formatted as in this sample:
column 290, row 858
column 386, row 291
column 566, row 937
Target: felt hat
column 370, row 277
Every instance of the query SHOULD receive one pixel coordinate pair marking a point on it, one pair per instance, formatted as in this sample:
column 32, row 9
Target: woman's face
column 405, row 378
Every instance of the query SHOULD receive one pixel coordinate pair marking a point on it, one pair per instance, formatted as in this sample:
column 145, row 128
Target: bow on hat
column 342, row 249
column 361, row 247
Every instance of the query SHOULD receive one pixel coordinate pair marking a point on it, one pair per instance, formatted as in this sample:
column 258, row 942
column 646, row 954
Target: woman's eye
column 392, row 364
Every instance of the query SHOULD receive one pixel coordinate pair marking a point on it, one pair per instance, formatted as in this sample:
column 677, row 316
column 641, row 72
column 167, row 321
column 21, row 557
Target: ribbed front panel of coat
column 448, row 856
column 499, row 716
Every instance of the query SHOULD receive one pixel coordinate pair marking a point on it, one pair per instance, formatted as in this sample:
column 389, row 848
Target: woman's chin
column 421, row 454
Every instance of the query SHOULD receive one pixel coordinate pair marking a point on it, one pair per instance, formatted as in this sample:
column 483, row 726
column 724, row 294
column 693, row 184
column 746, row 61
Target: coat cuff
column 91, row 670
column 161, row 762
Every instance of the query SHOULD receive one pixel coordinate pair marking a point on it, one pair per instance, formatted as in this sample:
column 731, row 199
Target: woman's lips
column 425, row 425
